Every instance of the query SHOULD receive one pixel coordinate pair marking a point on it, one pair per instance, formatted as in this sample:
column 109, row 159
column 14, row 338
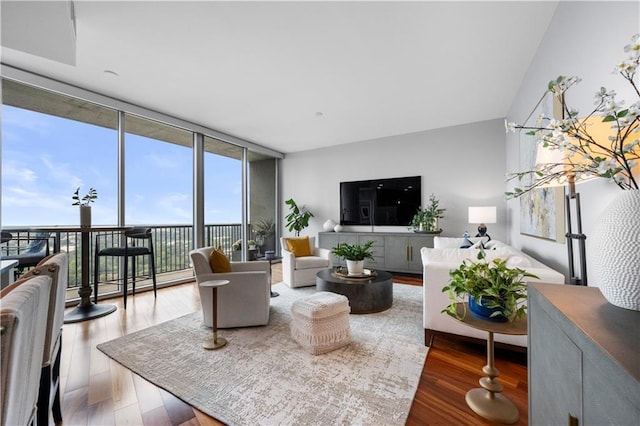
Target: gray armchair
column 23, row 322
column 244, row 301
column 57, row 266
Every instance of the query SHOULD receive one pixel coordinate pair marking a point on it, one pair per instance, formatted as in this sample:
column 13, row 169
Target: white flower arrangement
column 582, row 154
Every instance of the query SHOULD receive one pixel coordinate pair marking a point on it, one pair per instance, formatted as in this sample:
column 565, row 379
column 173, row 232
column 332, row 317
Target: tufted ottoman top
column 322, row 304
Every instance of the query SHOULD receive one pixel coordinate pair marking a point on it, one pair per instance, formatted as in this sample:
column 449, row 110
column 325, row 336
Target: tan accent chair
column 244, row 302
column 58, row 266
column 301, row 271
column 23, row 323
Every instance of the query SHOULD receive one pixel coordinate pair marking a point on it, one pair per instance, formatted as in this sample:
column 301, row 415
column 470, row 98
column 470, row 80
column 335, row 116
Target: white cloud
column 15, row 120
column 178, row 206
column 162, row 162
column 60, row 173
column 12, row 172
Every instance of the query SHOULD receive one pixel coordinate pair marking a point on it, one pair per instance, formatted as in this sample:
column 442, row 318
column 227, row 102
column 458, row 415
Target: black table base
column 87, row 312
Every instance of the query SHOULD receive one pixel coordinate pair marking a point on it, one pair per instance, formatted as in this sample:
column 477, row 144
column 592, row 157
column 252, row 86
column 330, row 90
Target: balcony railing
column 171, row 243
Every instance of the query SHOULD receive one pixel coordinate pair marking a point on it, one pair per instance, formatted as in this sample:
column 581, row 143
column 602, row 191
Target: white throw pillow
column 447, row 242
column 449, row 255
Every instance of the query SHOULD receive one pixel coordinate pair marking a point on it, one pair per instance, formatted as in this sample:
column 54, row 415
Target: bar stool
column 130, row 249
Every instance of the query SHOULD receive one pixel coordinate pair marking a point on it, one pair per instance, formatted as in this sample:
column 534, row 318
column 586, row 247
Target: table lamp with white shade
column 482, row 216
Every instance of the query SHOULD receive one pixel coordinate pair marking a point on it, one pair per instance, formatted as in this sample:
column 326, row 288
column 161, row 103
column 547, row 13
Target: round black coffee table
column 366, row 296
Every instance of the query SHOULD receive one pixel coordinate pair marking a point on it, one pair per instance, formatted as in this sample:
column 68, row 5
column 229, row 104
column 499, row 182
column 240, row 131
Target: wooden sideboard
column 393, row 251
column 584, row 358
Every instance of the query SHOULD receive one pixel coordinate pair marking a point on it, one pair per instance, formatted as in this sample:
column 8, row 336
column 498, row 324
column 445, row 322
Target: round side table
column 215, row 342
column 275, row 259
column 488, row 401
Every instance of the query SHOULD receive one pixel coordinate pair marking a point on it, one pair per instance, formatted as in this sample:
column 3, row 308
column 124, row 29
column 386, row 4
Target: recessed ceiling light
column 111, row 72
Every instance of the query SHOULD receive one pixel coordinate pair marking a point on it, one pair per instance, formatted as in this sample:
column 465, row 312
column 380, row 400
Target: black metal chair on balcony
column 28, row 251
column 6, row 237
column 130, row 249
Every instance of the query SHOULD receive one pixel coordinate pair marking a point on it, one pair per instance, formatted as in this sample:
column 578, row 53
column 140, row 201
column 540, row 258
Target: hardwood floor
column 98, row 391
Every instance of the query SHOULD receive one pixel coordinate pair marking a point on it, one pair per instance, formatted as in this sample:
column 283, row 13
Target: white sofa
column 437, row 262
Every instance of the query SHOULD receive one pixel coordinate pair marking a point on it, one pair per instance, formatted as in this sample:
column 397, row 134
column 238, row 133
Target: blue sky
column 45, row 158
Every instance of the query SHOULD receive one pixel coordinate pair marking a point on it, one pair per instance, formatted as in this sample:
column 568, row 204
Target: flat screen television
column 391, row 201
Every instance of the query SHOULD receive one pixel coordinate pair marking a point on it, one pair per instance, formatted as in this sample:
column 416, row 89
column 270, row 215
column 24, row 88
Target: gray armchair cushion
column 241, row 303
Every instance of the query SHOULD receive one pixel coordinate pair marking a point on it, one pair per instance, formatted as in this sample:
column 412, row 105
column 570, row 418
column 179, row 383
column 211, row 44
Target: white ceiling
column 294, row 76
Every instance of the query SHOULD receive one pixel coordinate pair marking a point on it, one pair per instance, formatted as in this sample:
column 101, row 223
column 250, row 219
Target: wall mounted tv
column 379, row 202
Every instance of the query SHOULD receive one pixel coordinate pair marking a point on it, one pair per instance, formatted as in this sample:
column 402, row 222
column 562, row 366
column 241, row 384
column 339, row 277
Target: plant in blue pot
column 495, row 291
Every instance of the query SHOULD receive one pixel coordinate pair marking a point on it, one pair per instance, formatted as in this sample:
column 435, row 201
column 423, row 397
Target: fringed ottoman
column 320, row 322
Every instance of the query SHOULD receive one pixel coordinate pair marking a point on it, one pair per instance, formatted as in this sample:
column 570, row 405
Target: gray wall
column 462, row 165
column 263, row 191
column 585, row 39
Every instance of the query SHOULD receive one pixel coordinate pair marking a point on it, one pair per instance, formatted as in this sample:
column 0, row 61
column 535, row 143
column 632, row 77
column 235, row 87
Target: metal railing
column 171, row 244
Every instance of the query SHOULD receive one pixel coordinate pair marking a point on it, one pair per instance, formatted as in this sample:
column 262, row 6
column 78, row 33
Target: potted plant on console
column 495, row 291
column 85, row 205
column 426, row 220
column 354, row 254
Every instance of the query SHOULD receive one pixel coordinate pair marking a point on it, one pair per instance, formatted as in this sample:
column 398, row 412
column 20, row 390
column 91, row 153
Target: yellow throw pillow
column 219, row 262
column 299, row 246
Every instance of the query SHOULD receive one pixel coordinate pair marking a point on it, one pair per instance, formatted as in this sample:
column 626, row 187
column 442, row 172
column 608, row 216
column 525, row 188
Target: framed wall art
column 541, row 209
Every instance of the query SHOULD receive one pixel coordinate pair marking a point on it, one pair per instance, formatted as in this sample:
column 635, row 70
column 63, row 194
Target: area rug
column 263, row 377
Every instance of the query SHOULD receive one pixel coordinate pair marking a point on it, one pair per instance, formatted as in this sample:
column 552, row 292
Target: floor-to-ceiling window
column 223, row 196
column 159, row 173
column 53, row 143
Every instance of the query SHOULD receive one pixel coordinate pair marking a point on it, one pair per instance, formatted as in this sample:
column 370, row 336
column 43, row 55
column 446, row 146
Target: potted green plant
column 426, row 220
column 264, row 229
column 354, row 255
column 495, row 291
column 298, row 218
column 85, row 205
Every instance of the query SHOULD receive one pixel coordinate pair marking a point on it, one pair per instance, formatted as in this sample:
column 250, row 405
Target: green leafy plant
column 354, row 251
column 299, row 217
column 427, row 218
column 493, row 284
column 264, row 227
column 87, row 199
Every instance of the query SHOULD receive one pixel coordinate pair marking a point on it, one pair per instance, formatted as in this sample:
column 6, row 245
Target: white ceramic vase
column 614, row 255
column 85, row 216
column 355, row 267
column 337, row 228
column 329, row 225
